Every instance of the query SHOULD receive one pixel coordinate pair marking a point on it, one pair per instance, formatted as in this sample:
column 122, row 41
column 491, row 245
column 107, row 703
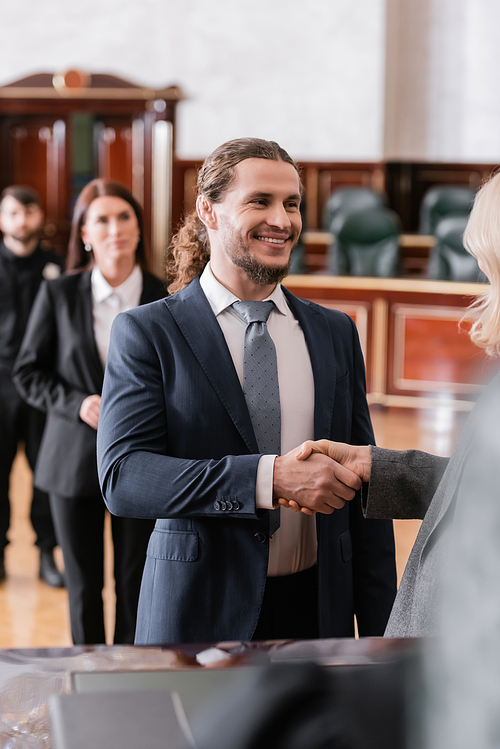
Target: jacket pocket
column 346, row 546
column 175, row 546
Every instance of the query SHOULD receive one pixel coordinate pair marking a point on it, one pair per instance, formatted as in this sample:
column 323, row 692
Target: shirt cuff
column 264, row 485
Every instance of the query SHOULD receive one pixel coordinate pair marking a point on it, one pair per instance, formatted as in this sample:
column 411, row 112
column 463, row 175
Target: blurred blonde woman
column 413, row 484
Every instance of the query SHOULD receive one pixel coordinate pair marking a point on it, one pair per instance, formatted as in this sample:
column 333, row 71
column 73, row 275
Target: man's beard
column 241, row 255
column 26, row 238
column 259, row 273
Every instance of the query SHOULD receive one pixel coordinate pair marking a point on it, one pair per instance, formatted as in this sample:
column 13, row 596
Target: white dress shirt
column 293, row 547
column 108, row 301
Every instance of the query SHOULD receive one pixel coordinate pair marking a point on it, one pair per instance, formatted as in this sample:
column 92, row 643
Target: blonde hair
column 189, row 250
column 482, row 240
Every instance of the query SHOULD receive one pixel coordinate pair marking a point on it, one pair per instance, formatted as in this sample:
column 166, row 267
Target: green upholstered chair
column 366, row 244
column 440, row 202
column 350, row 200
column 449, row 260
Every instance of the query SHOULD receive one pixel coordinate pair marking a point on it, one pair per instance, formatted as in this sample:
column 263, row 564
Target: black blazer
column 58, row 366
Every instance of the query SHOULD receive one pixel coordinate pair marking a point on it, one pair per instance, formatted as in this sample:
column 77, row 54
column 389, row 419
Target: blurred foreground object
column 463, row 667
column 299, row 705
column 123, row 720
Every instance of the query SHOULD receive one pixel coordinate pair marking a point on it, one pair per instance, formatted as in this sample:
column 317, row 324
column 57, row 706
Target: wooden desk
column 416, row 356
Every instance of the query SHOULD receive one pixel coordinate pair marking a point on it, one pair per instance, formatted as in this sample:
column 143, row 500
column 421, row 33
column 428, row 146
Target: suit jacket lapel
column 198, row 324
column 87, row 325
column 321, row 351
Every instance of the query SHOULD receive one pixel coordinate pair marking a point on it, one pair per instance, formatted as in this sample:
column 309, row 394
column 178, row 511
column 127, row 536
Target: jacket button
column 260, row 538
column 236, row 505
column 217, row 504
column 222, row 505
column 229, row 505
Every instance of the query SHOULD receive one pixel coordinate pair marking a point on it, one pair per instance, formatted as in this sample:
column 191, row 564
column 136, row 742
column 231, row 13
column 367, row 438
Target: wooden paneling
column 322, row 178
column 431, row 353
column 114, row 149
column 319, row 179
column 407, row 182
column 184, row 189
column 29, row 155
column 35, row 154
column 360, row 313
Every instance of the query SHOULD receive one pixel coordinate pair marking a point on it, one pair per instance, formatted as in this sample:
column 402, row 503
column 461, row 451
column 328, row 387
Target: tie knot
column 253, row 311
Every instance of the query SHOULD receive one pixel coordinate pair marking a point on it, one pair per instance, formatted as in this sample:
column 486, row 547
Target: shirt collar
column 221, row 298
column 127, row 291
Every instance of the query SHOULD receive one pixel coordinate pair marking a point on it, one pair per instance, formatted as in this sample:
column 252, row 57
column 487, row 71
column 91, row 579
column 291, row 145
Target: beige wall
column 443, row 80
column 329, row 79
column 309, row 75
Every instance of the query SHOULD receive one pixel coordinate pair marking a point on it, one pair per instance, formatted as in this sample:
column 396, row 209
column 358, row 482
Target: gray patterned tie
column 260, row 383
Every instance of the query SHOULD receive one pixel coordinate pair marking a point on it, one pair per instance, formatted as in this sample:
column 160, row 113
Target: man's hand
column 315, row 484
column 356, row 458
column 89, row 410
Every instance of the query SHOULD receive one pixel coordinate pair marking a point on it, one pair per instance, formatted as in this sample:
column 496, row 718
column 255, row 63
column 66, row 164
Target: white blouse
column 108, row 301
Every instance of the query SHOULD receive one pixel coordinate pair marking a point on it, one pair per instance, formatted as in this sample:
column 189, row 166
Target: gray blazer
column 415, row 485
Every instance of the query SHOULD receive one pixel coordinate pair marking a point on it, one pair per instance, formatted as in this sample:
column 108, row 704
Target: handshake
column 320, row 476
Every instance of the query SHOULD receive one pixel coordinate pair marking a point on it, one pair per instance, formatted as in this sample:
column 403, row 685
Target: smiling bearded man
column 243, row 257
column 207, row 396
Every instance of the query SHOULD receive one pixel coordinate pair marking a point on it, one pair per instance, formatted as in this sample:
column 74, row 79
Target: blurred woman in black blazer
column 60, row 370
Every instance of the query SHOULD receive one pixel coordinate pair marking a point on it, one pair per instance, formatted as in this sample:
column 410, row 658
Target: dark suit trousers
column 79, row 523
column 290, row 607
column 21, row 423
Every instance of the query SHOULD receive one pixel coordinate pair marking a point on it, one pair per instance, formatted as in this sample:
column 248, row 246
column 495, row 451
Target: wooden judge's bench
column 417, row 355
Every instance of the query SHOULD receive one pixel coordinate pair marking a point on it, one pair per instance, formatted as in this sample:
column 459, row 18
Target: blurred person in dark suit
column 23, row 266
column 60, row 369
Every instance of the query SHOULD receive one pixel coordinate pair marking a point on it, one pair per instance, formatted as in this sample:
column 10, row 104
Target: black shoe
column 2, row 569
column 48, row 570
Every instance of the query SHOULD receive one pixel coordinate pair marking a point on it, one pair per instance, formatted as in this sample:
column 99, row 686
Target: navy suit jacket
column 175, row 442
